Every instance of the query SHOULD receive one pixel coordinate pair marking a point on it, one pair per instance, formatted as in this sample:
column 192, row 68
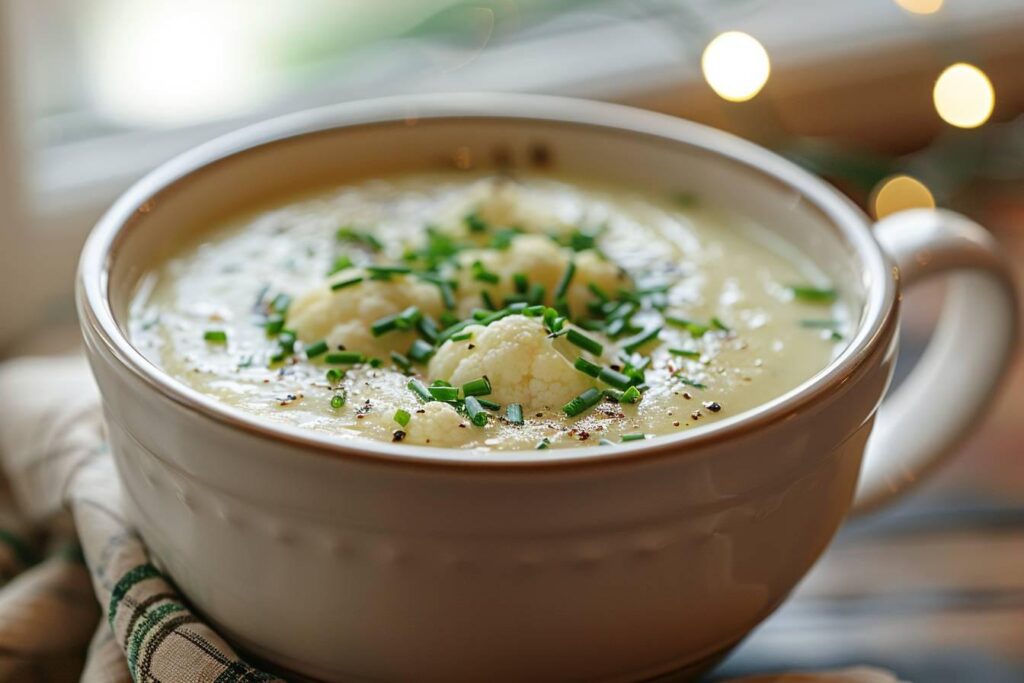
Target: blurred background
column 899, row 103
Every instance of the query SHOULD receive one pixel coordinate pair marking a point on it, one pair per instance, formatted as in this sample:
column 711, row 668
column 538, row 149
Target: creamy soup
column 490, row 313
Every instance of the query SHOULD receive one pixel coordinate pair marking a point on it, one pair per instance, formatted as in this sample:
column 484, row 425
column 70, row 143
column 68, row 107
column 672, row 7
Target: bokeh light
column 964, row 96
column 735, row 65
column 898, row 193
column 921, row 6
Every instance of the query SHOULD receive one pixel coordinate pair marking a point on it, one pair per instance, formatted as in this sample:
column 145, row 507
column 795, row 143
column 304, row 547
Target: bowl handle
column 947, row 394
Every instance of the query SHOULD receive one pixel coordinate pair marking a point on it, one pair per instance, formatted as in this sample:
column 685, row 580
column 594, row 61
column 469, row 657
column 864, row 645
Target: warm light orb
column 964, row 96
column 921, row 6
column 898, row 193
column 735, row 65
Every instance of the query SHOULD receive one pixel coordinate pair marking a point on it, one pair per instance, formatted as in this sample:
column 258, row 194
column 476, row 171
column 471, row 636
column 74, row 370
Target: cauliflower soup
column 490, row 312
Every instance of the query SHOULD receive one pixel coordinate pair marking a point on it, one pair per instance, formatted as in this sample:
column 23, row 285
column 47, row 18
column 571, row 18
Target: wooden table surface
column 933, row 587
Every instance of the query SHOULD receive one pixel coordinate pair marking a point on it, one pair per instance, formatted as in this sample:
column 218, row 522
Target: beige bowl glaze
column 347, row 560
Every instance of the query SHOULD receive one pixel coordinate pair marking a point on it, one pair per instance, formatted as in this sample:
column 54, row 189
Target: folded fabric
column 63, row 487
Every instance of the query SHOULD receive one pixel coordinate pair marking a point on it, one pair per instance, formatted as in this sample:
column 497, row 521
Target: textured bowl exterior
column 362, row 568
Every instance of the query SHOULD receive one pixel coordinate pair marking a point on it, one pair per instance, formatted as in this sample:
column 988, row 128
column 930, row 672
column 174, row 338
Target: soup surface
column 490, row 313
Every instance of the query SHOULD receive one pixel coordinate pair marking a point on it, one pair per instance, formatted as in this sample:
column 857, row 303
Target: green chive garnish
column 475, row 223
column 341, row 263
column 274, row 325
column 535, row 295
column 350, row 234
column 598, row 292
column 401, row 361
column 477, row 387
column 481, row 274
column 417, row 387
column 281, row 303
column 476, row 412
column 695, row 329
column 584, row 342
column 615, row 378
column 385, row 272
column 345, row 357
column 605, row 442
column 337, row 401
column 216, row 336
column 630, row 395
column 462, row 336
column 634, row 437
column 719, row 325
column 316, row 349
column 543, row 444
column 533, row 311
column 815, row 294
column 335, row 286
column 691, row 383
column 636, row 341
column 421, row 351
column 520, row 282
column 586, row 367
column 588, row 399
column 443, row 393
column 402, row 417
column 334, row 375
column 563, row 284
column 490, row 405
column 514, row 413
column 685, row 353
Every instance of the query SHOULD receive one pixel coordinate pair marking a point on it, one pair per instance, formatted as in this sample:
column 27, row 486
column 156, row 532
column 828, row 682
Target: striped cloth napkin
column 80, row 599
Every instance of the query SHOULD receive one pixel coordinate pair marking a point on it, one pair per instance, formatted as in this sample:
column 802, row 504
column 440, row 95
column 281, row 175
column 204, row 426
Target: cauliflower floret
column 541, row 260
column 343, row 317
column 522, row 363
column 438, row 425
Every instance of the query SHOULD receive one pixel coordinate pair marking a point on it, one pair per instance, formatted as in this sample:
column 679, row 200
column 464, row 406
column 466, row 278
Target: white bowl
column 348, row 560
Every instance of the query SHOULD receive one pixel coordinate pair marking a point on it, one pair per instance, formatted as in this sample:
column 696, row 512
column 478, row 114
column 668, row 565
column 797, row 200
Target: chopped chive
column 350, row 234
column 462, row 336
column 533, row 311
column 273, row 325
column 719, row 325
column 613, row 394
column 345, row 357
column 695, row 329
column 630, row 395
column 836, row 335
column 516, row 306
column 480, row 313
column 481, row 273
column 588, row 399
column 586, row 367
column 815, row 294
column 685, row 353
column 636, row 341
column 615, row 327
column 334, row 375
column 605, row 442
column 480, row 386
column 338, row 400
column 401, row 361
column 691, row 383
column 485, row 297
column 385, row 272
column 335, row 286
column 440, row 383
column 443, row 393
column 543, row 444
column 428, row 328
column 520, row 282
column 490, row 405
column 281, row 303
column 639, row 436
column 820, row 324
column 286, row 340
column 316, row 349
column 417, row 387
column 278, row 357
column 402, row 417
column 341, row 263
column 615, row 378
column 476, row 412
column 584, row 342
column 535, row 295
column 421, row 351
column 474, row 222
column 514, row 413
column 597, row 291
column 563, row 284
column 385, row 324
column 216, row 336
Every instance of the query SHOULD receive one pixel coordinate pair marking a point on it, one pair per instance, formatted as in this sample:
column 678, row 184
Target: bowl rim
column 875, row 323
